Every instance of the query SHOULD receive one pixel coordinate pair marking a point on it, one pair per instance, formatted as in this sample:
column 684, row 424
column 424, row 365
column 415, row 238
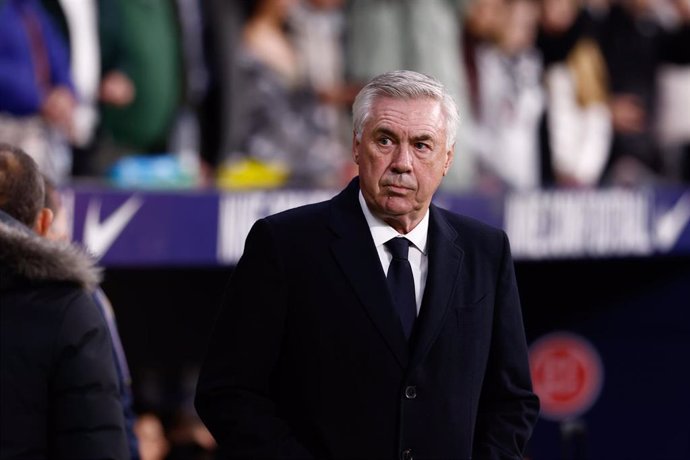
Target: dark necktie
column 401, row 283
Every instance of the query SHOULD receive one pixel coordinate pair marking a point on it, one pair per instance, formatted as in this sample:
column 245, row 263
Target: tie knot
column 399, row 247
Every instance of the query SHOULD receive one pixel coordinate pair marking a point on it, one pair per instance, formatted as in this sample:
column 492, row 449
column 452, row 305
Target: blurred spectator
column 86, row 26
column 578, row 122
column 189, row 438
column 318, row 27
column 221, row 37
column 318, row 30
column 222, row 25
column 59, row 232
column 59, row 388
column 420, row 35
column 483, row 21
column 146, row 44
column 185, row 139
column 635, row 44
column 672, row 124
column 37, row 101
column 277, row 123
column 168, row 396
column 153, row 445
column 92, row 28
column 510, row 100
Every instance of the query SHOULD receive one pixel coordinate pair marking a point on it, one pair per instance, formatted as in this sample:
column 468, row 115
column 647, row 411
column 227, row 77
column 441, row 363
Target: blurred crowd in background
column 257, row 93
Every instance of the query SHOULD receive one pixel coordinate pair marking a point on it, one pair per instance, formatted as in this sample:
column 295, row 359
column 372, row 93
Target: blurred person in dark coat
column 59, row 391
column 318, row 354
column 59, row 231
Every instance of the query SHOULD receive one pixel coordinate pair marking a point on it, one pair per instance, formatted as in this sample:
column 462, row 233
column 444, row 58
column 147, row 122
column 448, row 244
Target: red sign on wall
column 567, row 375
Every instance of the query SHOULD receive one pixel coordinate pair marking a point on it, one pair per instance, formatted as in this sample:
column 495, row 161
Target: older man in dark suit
column 374, row 325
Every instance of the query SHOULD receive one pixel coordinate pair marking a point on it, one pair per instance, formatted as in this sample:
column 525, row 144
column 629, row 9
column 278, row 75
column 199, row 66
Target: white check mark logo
column 100, row 236
column 670, row 225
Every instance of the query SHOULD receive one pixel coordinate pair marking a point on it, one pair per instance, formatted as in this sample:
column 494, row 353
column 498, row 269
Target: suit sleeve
column 508, row 408
column 86, row 415
column 234, row 394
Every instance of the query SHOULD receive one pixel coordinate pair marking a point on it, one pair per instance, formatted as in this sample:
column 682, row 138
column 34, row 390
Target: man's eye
column 385, row 141
column 421, row 146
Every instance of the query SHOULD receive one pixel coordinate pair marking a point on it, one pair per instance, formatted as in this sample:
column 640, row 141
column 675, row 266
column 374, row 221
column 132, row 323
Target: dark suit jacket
column 308, row 358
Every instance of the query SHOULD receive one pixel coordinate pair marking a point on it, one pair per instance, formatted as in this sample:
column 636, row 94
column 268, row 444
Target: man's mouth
column 397, row 189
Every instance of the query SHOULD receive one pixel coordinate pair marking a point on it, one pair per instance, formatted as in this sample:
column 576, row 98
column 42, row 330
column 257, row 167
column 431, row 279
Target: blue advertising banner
column 208, row 228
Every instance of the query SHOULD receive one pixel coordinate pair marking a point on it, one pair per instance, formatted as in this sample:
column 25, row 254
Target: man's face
column 402, row 157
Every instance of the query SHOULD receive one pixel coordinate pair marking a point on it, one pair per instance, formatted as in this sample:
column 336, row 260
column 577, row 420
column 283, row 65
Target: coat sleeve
column 86, row 413
column 508, row 408
column 234, row 392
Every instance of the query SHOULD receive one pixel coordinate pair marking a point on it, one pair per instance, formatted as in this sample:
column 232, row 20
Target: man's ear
column 355, row 147
column 43, row 221
column 449, row 159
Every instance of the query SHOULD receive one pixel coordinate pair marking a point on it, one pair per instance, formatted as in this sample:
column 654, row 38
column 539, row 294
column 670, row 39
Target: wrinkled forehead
column 409, row 114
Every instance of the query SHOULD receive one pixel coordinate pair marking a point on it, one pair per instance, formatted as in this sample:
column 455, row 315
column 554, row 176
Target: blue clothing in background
column 20, row 91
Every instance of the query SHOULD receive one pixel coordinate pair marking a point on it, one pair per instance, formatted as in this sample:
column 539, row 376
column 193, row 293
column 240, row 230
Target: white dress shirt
column 418, row 256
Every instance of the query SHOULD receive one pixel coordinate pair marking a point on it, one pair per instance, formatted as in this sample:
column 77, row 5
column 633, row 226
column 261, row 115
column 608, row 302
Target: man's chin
column 397, row 206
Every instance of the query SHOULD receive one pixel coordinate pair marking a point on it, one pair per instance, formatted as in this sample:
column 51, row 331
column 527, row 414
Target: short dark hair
column 22, row 189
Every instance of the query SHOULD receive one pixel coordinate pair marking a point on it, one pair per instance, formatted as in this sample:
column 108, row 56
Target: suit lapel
column 354, row 251
column 445, row 260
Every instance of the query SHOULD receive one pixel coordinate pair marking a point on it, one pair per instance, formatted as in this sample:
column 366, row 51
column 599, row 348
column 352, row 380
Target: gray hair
column 407, row 85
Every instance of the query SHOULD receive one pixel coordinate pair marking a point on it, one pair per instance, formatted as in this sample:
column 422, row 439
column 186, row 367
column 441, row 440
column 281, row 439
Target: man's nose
column 402, row 159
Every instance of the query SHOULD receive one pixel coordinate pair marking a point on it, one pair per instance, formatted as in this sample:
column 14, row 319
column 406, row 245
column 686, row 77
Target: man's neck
column 402, row 226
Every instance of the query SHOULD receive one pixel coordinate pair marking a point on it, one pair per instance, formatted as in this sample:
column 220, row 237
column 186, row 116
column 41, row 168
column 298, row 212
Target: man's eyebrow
column 423, row 137
column 385, row 131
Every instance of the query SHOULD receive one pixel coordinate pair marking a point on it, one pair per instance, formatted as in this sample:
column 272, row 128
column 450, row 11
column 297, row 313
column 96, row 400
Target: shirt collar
column 382, row 232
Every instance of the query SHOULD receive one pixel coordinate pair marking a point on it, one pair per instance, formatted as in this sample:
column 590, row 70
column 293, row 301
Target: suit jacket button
column 410, row 392
column 407, row 455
